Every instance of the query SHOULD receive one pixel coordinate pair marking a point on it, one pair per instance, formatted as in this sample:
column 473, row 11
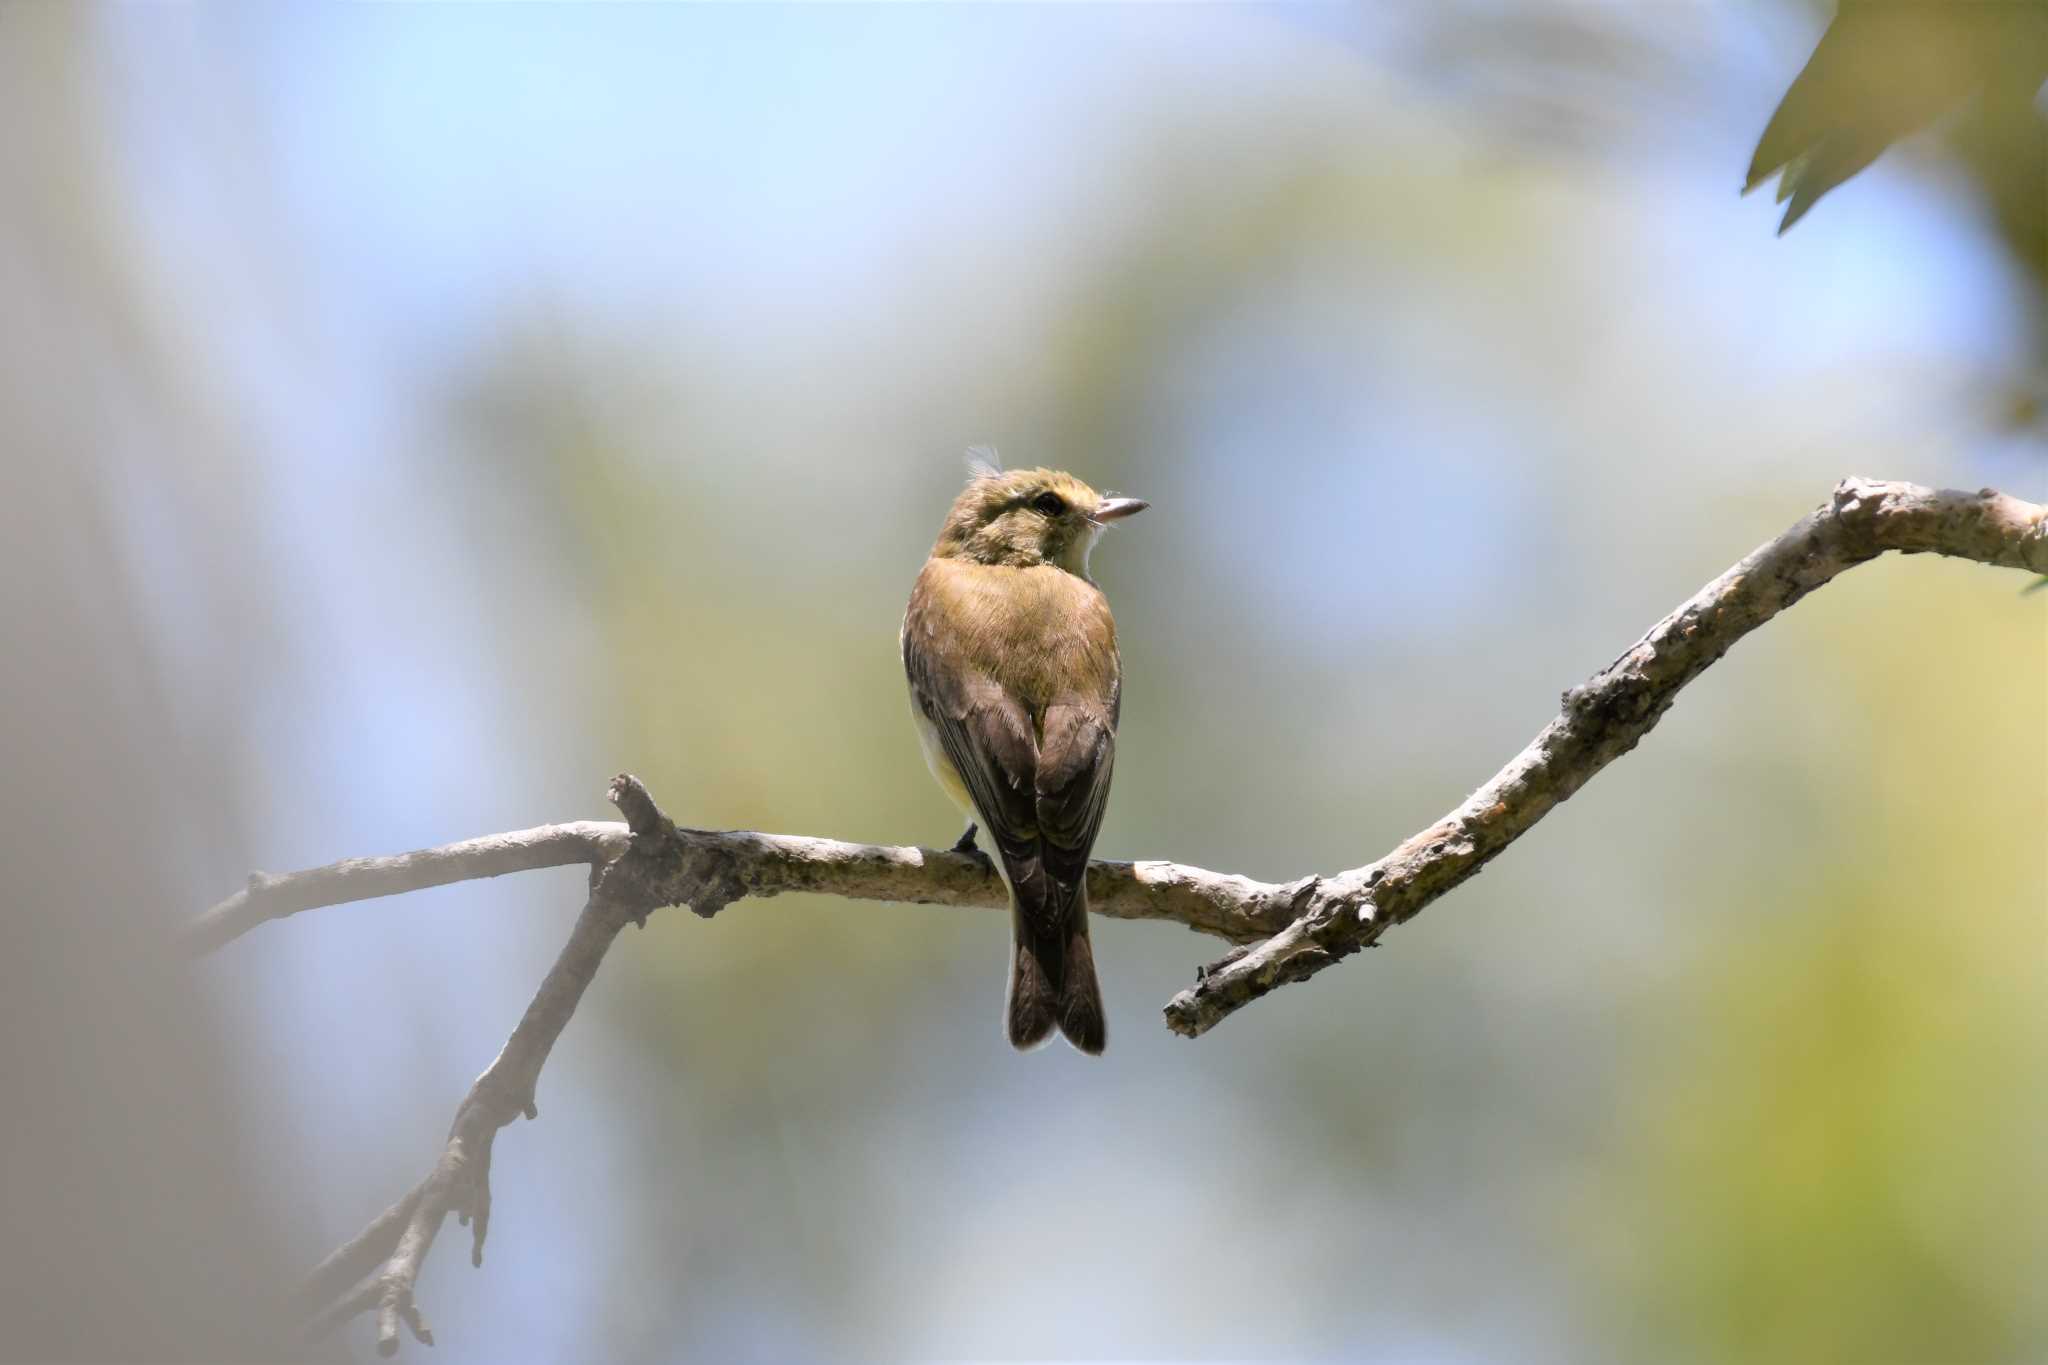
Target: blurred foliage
column 1973, row 70
column 1887, row 68
column 1830, row 1147
column 1952, row 84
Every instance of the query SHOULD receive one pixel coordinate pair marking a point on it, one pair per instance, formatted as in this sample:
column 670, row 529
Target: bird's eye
column 1052, row 504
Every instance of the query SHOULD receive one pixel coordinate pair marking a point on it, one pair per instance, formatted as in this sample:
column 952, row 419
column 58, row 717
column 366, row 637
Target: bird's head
column 1025, row 517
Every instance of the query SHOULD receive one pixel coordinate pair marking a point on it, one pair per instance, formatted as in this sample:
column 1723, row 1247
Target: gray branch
column 379, row 1268
column 272, row 896
column 1286, row 931
column 1604, row 717
column 759, row 865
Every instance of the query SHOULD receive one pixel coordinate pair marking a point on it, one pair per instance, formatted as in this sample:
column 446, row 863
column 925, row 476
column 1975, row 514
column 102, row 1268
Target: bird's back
column 1040, row 634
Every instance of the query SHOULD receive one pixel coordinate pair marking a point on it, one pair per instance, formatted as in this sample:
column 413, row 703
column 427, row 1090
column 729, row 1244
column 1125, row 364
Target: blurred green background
column 414, row 416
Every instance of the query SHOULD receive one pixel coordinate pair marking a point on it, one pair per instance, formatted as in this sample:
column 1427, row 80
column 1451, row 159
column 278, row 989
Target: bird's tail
column 1052, row 983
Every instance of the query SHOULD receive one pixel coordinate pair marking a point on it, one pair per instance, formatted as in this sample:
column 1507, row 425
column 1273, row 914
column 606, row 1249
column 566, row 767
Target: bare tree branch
column 1286, row 931
column 383, row 1262
column 269, row 897
column 1604, row 717
column 760, row 865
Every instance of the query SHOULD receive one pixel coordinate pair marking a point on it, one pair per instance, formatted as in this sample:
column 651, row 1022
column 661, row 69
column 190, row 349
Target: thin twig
column 351, row 1263
column 269, row 897
column 396, row 1245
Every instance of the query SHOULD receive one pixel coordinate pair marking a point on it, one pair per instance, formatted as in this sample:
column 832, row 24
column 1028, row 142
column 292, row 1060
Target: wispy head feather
column 984, row 462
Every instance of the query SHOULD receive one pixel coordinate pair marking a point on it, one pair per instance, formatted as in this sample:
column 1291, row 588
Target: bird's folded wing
column 1040, row 791
column 1076, row 756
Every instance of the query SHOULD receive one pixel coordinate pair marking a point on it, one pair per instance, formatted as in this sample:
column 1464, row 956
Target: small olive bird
column 1014, row 684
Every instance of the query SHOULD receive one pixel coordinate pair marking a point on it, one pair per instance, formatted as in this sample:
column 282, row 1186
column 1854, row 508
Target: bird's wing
column 1039, row 778
column 1075, row 759
column 991, row 741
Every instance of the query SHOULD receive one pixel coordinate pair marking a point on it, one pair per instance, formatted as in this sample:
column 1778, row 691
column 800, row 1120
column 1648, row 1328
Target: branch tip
column 636, row 803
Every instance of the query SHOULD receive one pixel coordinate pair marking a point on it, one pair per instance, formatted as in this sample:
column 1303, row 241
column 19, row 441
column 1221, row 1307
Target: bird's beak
column 1116, row 509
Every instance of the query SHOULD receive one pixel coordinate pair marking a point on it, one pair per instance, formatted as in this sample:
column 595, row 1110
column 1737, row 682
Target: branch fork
column 380, row 1268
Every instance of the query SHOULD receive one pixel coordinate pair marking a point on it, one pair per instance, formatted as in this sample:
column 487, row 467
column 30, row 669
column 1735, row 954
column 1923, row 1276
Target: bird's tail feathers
column 1052, row 985
column 1034, row 1003
column 1081, row 1017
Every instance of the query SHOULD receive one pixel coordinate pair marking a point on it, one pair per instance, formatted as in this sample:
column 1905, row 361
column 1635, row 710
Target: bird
column 1886, row 68
column 1016, row 687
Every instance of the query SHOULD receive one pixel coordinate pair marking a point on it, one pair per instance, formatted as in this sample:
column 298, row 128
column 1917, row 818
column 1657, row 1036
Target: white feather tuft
column 983, row 462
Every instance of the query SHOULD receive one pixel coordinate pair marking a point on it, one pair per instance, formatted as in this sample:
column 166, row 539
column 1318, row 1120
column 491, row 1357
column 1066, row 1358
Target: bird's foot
column 965, row 843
